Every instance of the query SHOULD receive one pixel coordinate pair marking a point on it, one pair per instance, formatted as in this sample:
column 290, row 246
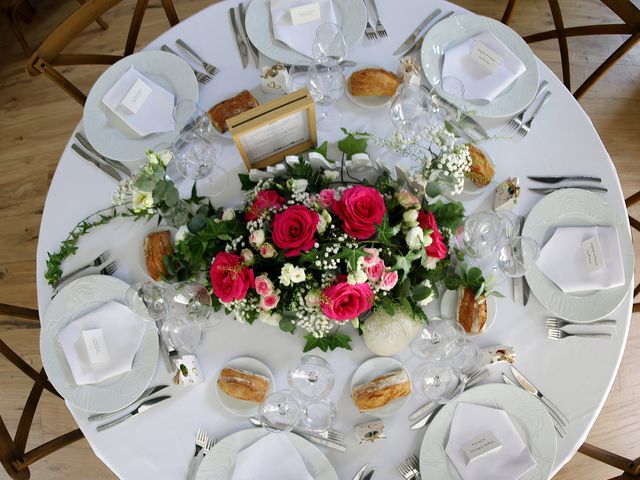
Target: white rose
column 181, row 234
column 142, row 200
column 331, row 174
column 410, row 217
column 272, row 319
column 165, row 157
column 152, row 159
column 356, row 277
column 297, row 275
column 256, row 238
column 312, row 298
column 322, row 224
column 415, row 238
column 229, row 214
column 299, row 185
column 285, row 274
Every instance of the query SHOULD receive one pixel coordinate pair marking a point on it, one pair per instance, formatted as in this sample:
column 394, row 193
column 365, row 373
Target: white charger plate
column 449, row 303
column 76, row 299
column 351, row 15
column 108, row 134
column 373, row 368
column 220, row 462
column 577, row 208
column 243, row 408
column 529, row 416
column 459, row 28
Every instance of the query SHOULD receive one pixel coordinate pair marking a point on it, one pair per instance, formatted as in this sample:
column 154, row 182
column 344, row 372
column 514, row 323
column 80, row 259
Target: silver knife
column 242, row 47
column 143, row 407
column 343, row 64
column 526, row 290
column 252, row 47
column 528, row 386
column 559, row 178
column 147, row 393
column 418, row 44
column 580, row 187
column 361, row 472
column 518, row 286
column 114, row 163
column 369, row 475
column 166, row 350
column 108, row 169
column 556, row 421
column 307, row 435
column 412, row 38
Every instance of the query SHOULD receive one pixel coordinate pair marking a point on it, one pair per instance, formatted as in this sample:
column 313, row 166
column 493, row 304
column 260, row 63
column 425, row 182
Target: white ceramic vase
column 385, row 335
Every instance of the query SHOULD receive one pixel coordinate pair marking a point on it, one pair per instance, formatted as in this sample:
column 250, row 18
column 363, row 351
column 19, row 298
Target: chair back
column 635, row 223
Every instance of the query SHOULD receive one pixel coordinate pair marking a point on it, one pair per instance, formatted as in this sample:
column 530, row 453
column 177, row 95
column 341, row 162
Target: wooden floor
column 35, row 122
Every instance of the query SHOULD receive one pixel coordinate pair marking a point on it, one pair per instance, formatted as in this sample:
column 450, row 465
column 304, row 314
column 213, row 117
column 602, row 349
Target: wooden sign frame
column 263, row 134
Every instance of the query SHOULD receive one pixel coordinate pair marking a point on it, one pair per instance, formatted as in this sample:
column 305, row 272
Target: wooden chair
column 49, row 54
column 13, row 457
column 624, row 9
column 635, row 223
column 630, row 468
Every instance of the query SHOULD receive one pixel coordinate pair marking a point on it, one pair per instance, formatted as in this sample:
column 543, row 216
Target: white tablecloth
column 576, row 374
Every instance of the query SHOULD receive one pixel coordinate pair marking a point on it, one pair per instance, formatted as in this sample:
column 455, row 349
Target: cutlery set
column 414, row 42
column 204, row 443
column 117, row 170
column 237, row 18
column 379, row 30
column 553, row 180
column 556, row 329
column 201, row 77
column 517, row 123
column 361, row 475
column 143, row 407
column 330, row 438
column 108, row 269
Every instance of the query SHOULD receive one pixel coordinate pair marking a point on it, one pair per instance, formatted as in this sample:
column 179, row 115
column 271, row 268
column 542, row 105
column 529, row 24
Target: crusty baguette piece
column 482, row 170
column 156, row 246
column 472, row 313
column 220, row 113
column 381, row 390
column 243, row 385
column 373, row 82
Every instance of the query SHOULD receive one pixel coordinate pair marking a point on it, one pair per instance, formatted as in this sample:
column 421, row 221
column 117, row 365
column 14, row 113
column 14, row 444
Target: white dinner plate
column 459, row 28
column 351, row 15
column 577, row 208
column 372, row 368
column 76, row 299
column 528, row 414
column 449, row 303
column 106, row 132
column 243, row 408
column 220, row 462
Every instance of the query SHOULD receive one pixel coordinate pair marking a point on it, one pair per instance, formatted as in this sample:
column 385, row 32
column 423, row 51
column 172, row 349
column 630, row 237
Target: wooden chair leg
column 57, row 78
column 48, row 448
column 20, row 312
column 134, row 29
column 556, row 13
column 506, row 16
column 19, row 36
column 631, row 467
column 170, row 11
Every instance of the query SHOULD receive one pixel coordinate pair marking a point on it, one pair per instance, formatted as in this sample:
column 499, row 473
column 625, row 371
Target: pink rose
column 264, row 286
column 388, row 280
column 326, row 198
column 230, row 280
column 438, row 248
column 265, row 200
column 247, row 256
column 269, row 302
column 293, row 230
column 375, row 272
column 342, row 301
column 267, row 251
column 406, row 199
column 372, row 257
column 360, row 209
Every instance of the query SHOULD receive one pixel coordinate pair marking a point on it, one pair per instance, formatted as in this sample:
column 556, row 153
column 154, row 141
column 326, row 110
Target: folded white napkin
column 156, row 113
column 479, row 82
column 273, row 457
column 123, row 331
column 509, row 463
column 564, row 260
column 298, row 37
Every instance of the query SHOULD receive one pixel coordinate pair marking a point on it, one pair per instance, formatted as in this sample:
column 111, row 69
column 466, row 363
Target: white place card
column 96, row 347
column 481, row 446
column 592, row 251
column 486, row 57
column 305, row 13
column 136, row 96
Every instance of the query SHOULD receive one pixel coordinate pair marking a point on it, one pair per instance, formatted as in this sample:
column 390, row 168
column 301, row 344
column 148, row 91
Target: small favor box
column 369, row 432
column 507, row 194
column 187, row 370
column 409, row 71
column 274, row 79
column 95, row 346
column 481, row 446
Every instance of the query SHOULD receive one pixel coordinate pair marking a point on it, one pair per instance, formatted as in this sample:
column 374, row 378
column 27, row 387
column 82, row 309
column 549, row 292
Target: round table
column 576, row 374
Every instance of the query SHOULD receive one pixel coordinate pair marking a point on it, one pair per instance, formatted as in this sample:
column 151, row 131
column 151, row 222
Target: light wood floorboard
column 36, row 119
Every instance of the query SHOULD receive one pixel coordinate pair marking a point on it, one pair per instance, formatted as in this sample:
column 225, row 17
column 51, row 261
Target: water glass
column 195, row 157
column 449, row 96
column 312, row 378
column 280, row 412
column 514, row 256
column 184, row 334
column 318, row 415
column 329, row 43
column 326, row 85
column 479, row 234
column 147, row 299
column 438, row 381
column 190, row 300
column 434, row 337
column 464, row 355
column 190, row 117
column 298, row 75
column 410, row 110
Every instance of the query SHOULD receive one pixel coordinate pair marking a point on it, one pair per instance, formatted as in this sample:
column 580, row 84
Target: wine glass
column 190, row 300
column 440, row 382
column 463, row 355
column 410, row 110
column 147, row 299
column 326, row 85
column 329, row 43
column 195, row 156
column 312, row 378
column 479, row 234
column 514, row 256
column 318, row 415
column 280, row 412
column 184, row 334
column 190, row 117
column 298, row 75
column 449, row 96
column 433, row 338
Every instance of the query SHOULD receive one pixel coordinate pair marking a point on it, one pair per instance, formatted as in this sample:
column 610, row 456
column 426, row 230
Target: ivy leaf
column 321, row 149
column 287, row 322
column 246, row 183
column 330, row 342
column 351, row 256
column 420, row 292
column 419, row 313
column 385, row 232
column 351, row 145
column 404, row 289
column 388, row 306
column 448, row 215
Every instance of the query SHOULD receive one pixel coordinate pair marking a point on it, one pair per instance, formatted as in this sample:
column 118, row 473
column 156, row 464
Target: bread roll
column 472, row 313
column 373, row 82
column 381, row 390
column 156, row 246
column 231, row 107
column 482, row 170
column 243, row 385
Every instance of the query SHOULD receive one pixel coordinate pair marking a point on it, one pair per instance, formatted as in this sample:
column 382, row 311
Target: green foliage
column 331, row 342
column 322, row 149
column 448, row 215
column 350, row 145
column 351, row 256
column 287, row 323
column 246, row 183
column 303, row 170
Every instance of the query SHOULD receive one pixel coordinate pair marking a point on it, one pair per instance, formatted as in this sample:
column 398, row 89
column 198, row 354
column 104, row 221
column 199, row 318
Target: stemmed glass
column 463, row 354
column 196, row 158
column 479, row 234
column 147, row 299
column 185, row 334
column 190, row 117
column 329, row 43
column 312, row 379
column 326, row 85
column 189, row 300
column 514, row 256
column 440, row 382
column 410, row 110
column 448, row 95
column 298, row 75
column 280, row 412
column 433, row 338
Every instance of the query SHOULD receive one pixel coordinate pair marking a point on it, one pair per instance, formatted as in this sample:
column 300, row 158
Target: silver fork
column 99, row 260
column 557, row 334
column 212, row 69
column 408, row 470
column 202, row 440
column 379, row 27
column 369, row 31
column 560, row 324
column 333, row 435
column 516, row 122
column 525, row 127
column 211, row 442
column 109, row 269
column 202, row 78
